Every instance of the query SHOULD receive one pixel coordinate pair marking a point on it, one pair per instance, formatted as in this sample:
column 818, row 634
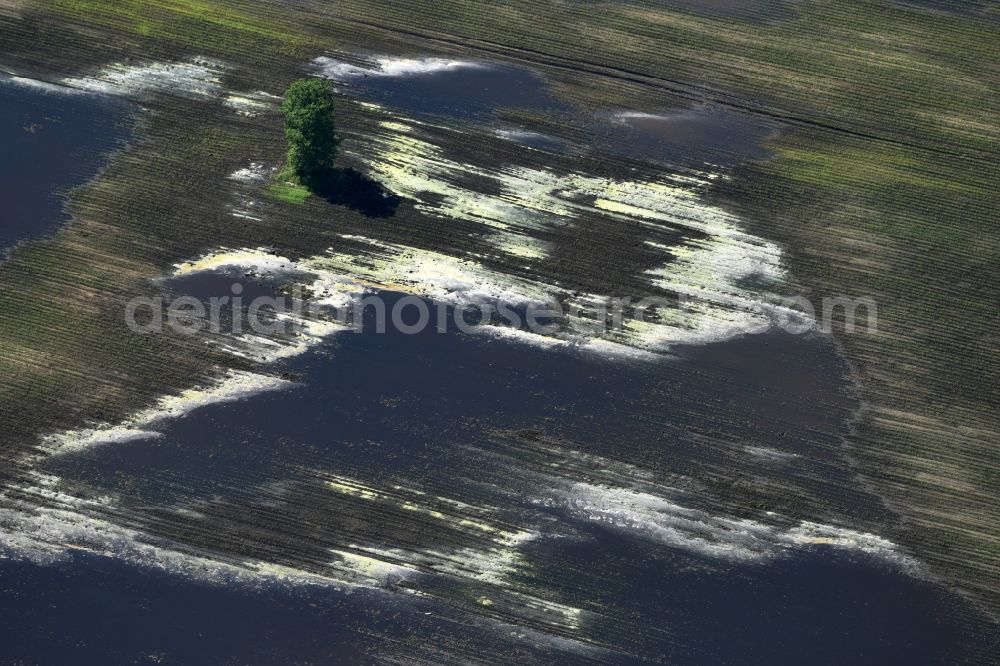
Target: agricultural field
column 745, row 463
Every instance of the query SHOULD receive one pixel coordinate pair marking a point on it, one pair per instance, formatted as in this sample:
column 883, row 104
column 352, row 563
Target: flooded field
column 459, row 473
column 676, row 491
column 709, row 135
column 52, row 141
column 439, row 86
column 474, row 90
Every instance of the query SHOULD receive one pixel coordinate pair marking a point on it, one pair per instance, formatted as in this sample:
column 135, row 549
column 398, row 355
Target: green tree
column 310, row 131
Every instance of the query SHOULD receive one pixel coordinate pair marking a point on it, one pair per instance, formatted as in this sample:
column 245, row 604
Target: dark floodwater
column 464, row 92
column 425, row 408
column 822, row 609
column 695, row 136
column 691, row 137
column 435, row 411
column 90, row 610
column 51, row 142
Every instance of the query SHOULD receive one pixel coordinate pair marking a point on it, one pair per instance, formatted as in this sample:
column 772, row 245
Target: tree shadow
column 351, row 188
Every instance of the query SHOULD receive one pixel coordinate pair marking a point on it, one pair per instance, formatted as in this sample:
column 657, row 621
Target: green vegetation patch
column 288, row 192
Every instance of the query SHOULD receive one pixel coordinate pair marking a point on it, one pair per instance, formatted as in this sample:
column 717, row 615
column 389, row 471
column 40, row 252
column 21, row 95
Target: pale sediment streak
column 633, row 501
column 197, row 78
column 487, row 567
column 662, row 519
column 251, row 104
column 389, row 66
column 309, row 327
column 232, row 385
column 256, row 172
column 340, row 277
column 246, row 259
column 526, row 137
column 430, row 274
column 53, row 525
column 43, row 86
column 248, row 205
column 707, row 268
column 41, row 524
column 43, row 532
column 767, row 453
column 414, row 168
